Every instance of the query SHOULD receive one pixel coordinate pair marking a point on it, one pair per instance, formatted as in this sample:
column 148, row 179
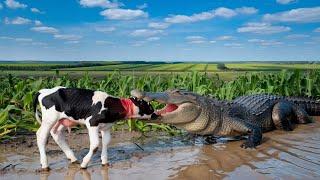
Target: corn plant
column 16, row 95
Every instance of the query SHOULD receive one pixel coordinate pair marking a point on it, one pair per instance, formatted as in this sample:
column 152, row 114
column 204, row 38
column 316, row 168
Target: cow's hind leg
column 106, row 137
column 59, row 137
column 94, row 143
column 42, row 138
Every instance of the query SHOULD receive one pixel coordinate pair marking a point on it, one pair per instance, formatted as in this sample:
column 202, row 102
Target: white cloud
column 37, row 23
column 285, row 1
column 145, row 32
column 153, row 38
column 233, row 44
column 297, row 36
column 6, row 38
column 105, row 29
column 224, row 38
column 263, row 42
column 23, row 39
column 17, row 21
column 300, row 15
column 271, row 43
column 225, row 12
column 196, row 39
column 100, row 42
column 176, row 19
column 142, row 6
column 123, row 14
column 138, row 43
column 256, row 40
column 99, row 3
column 262, row 28
column 68, row 37
column 247, row 10
column 45, row 29
column 35, row 10
column 39, row 44
column 1, row 6
column 219, row 12
column 158, row 25
column 12, row 4
column 72, row 42
column 317, row 30
column 192, row 38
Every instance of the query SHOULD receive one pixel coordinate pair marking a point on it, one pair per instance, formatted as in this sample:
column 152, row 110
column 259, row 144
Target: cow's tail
column 35, row 103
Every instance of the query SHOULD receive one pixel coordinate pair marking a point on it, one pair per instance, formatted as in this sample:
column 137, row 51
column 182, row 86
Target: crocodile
column 249, row 115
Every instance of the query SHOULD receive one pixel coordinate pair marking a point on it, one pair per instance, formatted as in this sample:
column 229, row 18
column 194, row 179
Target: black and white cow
column 64, row 107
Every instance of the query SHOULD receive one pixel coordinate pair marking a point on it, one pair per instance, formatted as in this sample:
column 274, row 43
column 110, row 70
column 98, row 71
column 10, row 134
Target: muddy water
column 284, row 155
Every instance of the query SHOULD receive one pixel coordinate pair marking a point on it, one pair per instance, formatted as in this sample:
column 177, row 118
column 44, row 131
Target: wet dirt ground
column 283, row 155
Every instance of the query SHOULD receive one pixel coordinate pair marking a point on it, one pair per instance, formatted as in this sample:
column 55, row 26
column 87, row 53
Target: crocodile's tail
column 309, row 104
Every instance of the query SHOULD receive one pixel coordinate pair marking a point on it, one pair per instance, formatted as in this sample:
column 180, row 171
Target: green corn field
column 16, row 95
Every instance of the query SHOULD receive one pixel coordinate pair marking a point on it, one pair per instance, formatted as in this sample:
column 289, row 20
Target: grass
column 17, row 93
column 270, row 66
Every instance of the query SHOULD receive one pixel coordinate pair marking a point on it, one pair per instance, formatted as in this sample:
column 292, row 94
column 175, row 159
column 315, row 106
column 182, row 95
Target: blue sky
column 158, row 30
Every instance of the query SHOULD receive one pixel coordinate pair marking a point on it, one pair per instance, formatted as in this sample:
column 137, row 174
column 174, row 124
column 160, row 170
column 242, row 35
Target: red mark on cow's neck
column 128, row 106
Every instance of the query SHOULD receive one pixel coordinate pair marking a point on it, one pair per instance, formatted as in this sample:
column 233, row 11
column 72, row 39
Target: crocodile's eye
column 177, row 92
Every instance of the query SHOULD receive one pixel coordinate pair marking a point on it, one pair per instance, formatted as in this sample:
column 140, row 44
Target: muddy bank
column 293, row 155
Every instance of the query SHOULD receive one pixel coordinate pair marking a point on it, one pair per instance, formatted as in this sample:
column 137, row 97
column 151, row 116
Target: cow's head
column 144, row 107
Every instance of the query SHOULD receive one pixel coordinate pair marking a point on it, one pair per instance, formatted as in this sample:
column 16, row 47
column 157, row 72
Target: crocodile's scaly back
column 259, row 103
column 310, row 105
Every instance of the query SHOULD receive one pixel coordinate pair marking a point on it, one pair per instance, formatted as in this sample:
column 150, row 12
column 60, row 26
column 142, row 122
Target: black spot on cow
column 75, row 103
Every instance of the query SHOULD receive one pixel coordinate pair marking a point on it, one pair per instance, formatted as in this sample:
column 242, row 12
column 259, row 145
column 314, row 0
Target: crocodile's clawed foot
column 248, row 144
column 210, row 140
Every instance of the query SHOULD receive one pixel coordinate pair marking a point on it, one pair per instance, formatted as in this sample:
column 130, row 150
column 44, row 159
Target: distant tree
column 222, row 66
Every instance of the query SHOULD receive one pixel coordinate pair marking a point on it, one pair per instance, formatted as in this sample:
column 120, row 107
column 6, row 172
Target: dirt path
column 293, row 155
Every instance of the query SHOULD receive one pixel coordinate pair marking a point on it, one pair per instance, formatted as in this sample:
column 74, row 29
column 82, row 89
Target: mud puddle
column 284, row 155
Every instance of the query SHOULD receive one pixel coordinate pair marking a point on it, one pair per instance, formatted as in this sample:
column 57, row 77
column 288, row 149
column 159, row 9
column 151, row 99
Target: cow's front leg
column 106, row 137
column 94, row 143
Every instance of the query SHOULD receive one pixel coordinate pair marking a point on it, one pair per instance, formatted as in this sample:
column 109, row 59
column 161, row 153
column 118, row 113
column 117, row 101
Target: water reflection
column 77, row 173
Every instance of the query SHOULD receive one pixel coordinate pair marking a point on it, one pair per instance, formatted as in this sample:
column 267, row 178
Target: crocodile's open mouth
column 176, row 108
column 167, row 109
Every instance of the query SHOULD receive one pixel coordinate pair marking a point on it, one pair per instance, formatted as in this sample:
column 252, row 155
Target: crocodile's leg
column 210, row 139
column 302, row 116
column 285, row 113
column 243, row 127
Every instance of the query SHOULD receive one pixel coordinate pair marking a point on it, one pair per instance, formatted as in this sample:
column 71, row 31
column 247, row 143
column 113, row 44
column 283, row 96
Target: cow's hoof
column 106, row 165
column 83, row 167
column 75, row 162
column 47, row 169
